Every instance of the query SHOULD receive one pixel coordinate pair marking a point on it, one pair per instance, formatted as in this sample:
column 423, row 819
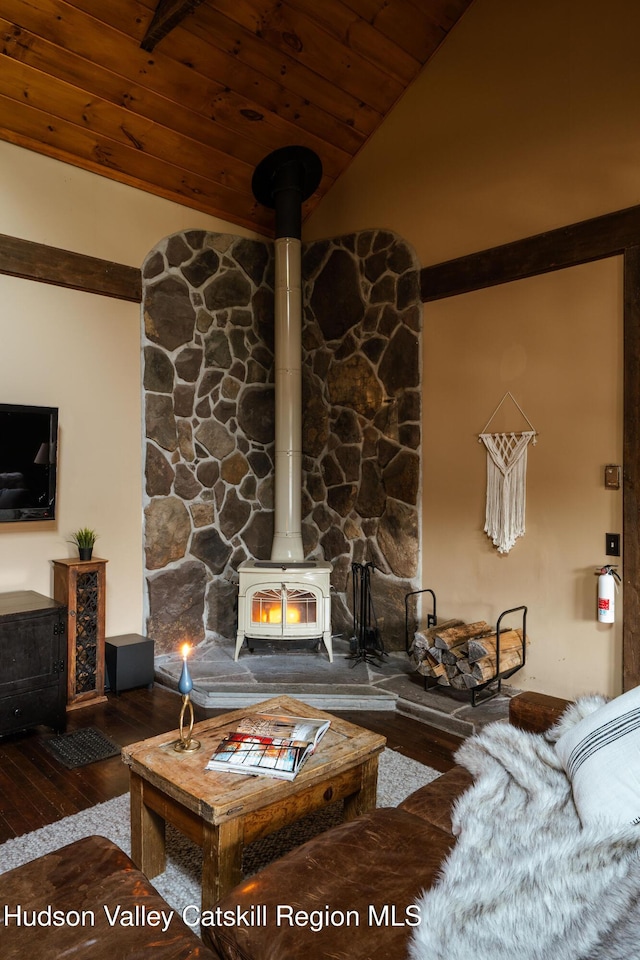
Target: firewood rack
column 490, row 687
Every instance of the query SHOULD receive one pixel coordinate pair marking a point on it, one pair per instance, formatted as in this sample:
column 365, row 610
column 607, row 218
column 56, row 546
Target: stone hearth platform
column 302, row 671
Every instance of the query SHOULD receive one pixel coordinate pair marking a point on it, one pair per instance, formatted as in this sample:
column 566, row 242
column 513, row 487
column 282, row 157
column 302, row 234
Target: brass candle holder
column 186, row 743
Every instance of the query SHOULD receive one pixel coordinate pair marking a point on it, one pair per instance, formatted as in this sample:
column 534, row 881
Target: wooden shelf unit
column 81, row 586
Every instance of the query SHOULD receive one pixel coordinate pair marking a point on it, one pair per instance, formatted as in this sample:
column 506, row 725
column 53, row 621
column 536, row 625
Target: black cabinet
column 33, row 651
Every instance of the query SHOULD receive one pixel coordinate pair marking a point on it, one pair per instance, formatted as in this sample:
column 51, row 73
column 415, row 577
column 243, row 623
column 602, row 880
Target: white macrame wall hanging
column 506, row 481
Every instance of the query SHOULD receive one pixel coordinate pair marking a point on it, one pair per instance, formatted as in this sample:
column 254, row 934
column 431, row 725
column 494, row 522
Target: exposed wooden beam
column 581, row 242
column 631, row 472
column 169, row 13
column 64, row 268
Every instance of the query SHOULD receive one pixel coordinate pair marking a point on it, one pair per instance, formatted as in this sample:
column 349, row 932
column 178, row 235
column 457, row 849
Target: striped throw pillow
column 601, row 757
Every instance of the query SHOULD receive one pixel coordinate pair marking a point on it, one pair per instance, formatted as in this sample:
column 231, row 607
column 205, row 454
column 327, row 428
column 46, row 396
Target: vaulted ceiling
column 183, row 98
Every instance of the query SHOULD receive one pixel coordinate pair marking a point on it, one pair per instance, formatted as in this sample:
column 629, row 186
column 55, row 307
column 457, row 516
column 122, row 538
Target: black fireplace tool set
column 366, row 642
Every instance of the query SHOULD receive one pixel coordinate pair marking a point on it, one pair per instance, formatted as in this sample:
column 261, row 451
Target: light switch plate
column 613, row 544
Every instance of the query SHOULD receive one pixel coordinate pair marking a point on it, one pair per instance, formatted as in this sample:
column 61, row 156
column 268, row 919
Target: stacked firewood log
column 463, row 655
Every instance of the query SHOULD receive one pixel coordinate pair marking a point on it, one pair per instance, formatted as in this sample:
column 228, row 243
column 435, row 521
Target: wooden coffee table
column 224, row 811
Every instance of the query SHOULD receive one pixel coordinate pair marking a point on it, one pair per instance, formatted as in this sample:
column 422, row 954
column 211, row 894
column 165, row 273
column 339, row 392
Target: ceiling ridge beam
column 167, row 16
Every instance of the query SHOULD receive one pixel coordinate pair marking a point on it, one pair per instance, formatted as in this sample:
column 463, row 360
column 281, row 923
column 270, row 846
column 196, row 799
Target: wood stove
column 286, row 597
column 284, row 601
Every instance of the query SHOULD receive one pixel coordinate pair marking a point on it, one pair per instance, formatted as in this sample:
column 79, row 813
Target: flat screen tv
column 28, row 460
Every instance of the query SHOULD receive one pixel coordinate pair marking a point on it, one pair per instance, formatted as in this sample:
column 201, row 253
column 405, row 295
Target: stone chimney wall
column 361, row 432
column 209, row 424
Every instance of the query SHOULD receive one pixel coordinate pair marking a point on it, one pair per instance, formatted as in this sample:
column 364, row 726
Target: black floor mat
column 81, row 747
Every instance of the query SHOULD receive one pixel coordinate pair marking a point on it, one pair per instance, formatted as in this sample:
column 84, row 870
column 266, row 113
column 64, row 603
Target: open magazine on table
column 269, row 744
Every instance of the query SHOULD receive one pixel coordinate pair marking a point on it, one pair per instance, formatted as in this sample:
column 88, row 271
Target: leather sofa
column 345, row 895
column 348, row 893
column 54, row 907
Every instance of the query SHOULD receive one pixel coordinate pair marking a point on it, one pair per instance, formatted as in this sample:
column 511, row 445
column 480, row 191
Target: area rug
column 180, row 883
column 81, row 747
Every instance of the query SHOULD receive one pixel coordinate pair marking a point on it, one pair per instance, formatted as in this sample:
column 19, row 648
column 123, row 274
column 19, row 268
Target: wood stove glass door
column 285, row 610
column 301, row 612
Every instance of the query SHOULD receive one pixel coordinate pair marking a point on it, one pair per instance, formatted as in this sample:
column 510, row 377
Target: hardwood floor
column 36, row 790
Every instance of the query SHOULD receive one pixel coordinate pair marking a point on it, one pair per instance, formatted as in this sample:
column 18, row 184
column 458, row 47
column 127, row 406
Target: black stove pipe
column 283, row 181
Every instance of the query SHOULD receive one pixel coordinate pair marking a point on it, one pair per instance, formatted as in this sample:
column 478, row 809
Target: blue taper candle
column 185, row 684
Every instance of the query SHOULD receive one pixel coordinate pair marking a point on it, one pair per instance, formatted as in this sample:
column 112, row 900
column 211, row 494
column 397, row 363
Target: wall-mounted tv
column 28, row 461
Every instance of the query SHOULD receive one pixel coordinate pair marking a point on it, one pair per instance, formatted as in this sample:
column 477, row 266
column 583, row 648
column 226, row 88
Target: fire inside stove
column 284, row 606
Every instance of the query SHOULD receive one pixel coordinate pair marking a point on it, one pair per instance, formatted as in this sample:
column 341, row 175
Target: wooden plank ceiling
column 183, row 98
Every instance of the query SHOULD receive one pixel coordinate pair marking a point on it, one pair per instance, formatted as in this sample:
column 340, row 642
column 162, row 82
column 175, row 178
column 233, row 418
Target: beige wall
column 81, row 353
column 525, row 120
column 555, row 343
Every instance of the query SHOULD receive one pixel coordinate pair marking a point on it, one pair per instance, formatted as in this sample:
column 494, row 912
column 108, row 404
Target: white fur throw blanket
column 525, row 881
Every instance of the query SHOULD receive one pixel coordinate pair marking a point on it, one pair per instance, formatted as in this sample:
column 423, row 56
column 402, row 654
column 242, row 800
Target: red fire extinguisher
column 608, row 580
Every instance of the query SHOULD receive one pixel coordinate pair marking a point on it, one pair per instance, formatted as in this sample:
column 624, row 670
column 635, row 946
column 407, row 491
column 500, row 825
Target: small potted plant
column 84, row 539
